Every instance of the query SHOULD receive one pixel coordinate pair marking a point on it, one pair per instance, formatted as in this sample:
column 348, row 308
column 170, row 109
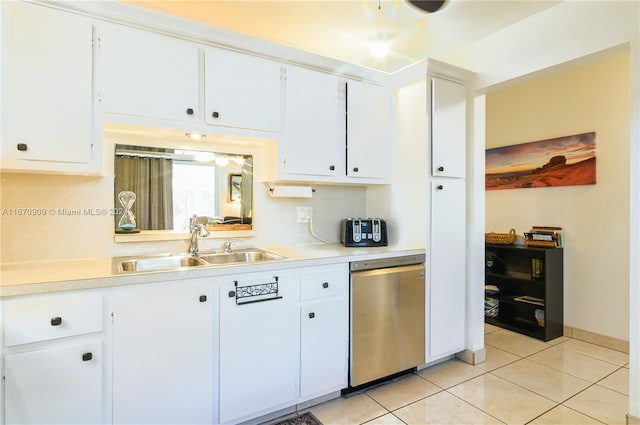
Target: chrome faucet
column 196, row 230
column 227, row 247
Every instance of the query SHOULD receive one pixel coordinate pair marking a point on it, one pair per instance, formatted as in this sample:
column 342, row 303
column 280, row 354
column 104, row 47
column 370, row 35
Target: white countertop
column 26, row 278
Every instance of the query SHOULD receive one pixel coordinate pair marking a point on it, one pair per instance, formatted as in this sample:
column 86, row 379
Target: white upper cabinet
column 368, row 131
column 448, row 128
column 242, row 91
column 47, row 97
column 314, row 132
column 148, row 75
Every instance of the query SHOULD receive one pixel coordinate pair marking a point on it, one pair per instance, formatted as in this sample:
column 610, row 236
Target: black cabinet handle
column 86, row 357
column 56, row 321
column 312, row 315
column 355, row 170
column 232, row 294
column 325, row 285
column 215, row 115
column 439, row 187
column 189, row 111
column 22, row 147
column 441, row 168
column 203, row 298
column 332, row 167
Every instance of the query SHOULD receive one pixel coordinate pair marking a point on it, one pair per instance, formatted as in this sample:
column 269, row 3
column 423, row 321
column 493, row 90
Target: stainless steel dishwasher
column 387, row 318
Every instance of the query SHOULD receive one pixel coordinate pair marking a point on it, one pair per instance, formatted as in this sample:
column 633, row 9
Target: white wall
column 405, row 202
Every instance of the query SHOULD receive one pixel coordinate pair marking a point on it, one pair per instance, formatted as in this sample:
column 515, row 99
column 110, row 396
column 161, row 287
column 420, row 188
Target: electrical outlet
column 304, row 214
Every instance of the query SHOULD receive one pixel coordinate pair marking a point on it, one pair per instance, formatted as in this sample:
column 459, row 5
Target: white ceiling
column 343, row 29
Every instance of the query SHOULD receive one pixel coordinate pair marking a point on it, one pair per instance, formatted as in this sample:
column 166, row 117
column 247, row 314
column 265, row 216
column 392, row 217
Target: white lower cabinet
column 200, row 351
column 447, row 283
column 53, row 356
column 259, row 345
column 57, row 385
column 163, row 353
column 324, row 331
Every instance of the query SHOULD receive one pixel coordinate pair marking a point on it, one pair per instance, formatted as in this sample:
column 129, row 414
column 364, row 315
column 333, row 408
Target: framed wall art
column 235, row 187
column 562, row 161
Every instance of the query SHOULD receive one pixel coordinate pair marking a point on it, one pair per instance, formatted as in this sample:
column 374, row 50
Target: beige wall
column 593, row 97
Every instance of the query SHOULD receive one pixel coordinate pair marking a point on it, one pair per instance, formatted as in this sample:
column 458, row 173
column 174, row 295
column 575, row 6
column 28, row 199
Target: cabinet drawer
column 324, row 283
column 44, row 318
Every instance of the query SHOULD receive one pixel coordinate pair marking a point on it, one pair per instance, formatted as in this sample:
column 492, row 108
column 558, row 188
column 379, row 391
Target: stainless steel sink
column 241, row 256
column 160, row 263
column 178, row 262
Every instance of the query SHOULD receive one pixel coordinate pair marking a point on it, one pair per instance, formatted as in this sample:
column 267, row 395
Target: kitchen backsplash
column 49, row 217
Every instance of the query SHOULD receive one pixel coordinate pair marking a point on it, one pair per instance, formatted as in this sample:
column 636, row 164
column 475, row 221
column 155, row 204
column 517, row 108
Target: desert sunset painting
column 562, row 161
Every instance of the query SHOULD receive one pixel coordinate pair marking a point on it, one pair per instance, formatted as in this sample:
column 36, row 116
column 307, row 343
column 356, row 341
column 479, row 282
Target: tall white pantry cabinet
column 447, row 134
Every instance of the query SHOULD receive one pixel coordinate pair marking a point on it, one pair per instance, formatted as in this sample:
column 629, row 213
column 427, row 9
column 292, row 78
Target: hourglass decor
column 127, row 220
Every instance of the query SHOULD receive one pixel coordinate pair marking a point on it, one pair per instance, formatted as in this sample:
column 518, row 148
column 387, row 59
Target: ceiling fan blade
column 428, row 5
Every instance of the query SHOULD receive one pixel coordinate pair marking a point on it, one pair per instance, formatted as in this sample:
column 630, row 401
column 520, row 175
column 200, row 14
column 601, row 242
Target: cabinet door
column 314, row 139
column 259, row 348
column 323, row 347
column 61, row 384
column 368, row 131
column 149, row 75
column 47, row 83
column 447, row 282
column 448, row 128
column 242, row 91
column 163, row 355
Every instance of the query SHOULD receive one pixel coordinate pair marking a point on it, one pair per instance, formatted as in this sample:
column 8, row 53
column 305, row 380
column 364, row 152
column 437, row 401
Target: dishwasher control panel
column 363, row 232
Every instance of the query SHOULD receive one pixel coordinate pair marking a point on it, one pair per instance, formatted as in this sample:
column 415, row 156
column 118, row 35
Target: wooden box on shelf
column 529, row 282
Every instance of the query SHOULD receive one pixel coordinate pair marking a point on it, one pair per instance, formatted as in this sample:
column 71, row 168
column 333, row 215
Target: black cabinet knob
column 332, row 167
column 441, row 168
column 439, row 187
column 325, row 285
column 232, row 294
column 215, row 115
column 203, row 298
column 312, row 315
column 355, row 169
column 189, row 111
column 86, row 357
column 56, row 321
column 22, row 147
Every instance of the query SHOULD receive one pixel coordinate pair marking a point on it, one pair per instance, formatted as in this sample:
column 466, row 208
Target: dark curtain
column 151, row 180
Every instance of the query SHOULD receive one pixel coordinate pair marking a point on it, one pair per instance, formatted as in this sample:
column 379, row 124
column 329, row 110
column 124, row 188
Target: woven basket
column 501, row 238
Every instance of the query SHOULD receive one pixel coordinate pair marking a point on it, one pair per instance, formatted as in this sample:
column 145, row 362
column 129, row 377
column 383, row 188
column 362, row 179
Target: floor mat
column 302, row 419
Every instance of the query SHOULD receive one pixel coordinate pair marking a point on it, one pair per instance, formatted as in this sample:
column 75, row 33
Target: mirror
column 171, row 185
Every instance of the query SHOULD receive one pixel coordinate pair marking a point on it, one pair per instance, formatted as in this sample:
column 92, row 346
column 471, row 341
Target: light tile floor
column 523, row 381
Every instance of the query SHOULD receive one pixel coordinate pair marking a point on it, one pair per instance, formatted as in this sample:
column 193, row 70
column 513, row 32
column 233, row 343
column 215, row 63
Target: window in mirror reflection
column 171, row 185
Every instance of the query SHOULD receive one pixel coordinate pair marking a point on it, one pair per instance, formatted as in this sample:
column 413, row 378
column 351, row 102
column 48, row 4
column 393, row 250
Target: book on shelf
column 544, row 236
column 530, row 300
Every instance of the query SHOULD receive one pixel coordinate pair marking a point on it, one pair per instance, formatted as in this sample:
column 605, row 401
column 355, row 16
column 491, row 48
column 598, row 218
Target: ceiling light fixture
column 379, row 48
column 429, row 6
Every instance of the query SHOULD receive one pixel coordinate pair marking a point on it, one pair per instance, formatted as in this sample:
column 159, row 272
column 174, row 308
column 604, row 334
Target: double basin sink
column 182, row 261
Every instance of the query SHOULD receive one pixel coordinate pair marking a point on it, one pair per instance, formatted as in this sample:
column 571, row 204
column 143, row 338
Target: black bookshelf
column 529, row 280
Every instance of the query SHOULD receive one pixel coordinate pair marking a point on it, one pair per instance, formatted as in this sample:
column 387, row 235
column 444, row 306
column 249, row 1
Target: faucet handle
column 227, row 246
